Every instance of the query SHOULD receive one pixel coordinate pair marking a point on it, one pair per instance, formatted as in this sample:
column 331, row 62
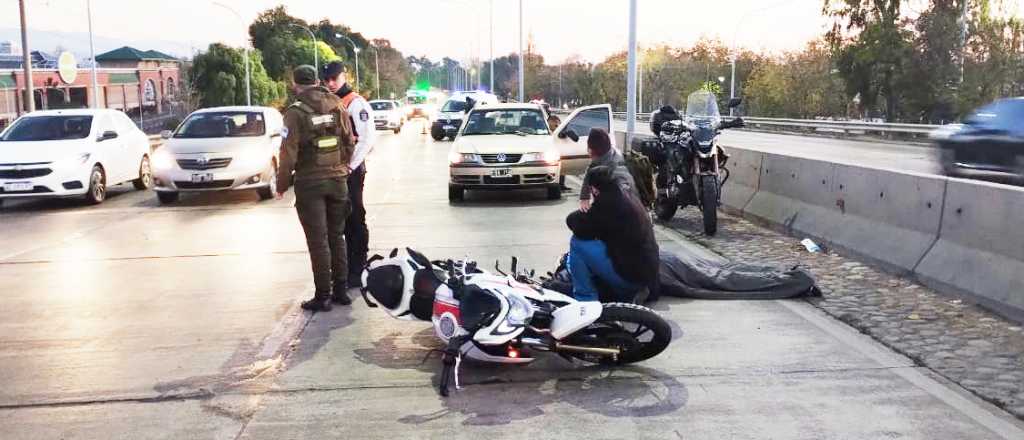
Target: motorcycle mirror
column 735, row 102
column 394, row 253
column 497, row 268
column 515, row 265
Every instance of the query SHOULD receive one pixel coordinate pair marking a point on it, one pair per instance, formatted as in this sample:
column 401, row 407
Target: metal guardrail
column 804, row 125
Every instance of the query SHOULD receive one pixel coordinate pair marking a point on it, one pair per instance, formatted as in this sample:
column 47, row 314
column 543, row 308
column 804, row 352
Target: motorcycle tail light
column 513, row 352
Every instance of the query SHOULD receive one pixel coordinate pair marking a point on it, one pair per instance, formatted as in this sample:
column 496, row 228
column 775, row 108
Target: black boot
column 339, row 296
column 318, row 304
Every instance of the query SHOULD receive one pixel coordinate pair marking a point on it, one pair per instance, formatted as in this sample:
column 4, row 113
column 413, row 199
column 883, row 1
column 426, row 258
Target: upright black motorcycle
column 690, row 164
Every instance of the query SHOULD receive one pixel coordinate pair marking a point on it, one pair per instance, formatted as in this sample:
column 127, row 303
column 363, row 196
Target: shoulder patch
column 364, row 115
column 284, row 132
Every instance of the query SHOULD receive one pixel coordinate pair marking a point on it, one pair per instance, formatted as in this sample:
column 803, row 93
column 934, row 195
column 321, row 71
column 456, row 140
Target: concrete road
column 131, row 320
column 917, row 158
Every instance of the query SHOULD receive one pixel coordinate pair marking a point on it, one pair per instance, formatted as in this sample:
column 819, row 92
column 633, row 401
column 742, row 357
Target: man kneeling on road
column 317, row 146
column 599, row 146
column 613, row 244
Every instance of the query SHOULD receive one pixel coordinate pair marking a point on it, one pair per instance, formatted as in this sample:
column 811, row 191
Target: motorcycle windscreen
column 478, row 308
column 385, row 284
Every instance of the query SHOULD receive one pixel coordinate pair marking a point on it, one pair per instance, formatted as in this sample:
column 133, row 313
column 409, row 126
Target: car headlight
column 519, row 311
column 162, row 160
column 549, row 157
column 455, row 157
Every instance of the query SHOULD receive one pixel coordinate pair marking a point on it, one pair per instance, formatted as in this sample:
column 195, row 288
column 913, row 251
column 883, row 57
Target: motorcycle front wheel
column 638, row 332
column 665, row 208
column 709, row 203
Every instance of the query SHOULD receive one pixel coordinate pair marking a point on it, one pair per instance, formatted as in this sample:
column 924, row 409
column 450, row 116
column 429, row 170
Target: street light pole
column 522, row 61
column 26, row 58
column 732, row 83
column 492, row 45
column 245, row 47
column 631, row 78
column 376, row 69
column 355, row 50
column 92, row 53
column 316, row 50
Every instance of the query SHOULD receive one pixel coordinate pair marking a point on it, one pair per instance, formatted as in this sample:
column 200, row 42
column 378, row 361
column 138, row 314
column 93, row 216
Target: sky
column 590, row 29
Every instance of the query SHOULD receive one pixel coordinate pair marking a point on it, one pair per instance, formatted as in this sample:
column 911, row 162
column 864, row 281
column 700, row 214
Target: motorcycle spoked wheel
column 638, row 332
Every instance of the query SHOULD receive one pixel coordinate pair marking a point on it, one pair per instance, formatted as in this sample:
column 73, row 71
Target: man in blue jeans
column 613, row 244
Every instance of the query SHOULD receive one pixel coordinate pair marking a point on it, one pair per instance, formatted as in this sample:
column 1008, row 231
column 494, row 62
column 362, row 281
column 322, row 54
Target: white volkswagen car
column 387, row 115
column 220, row 149
column 510, row 146
column 72, row 153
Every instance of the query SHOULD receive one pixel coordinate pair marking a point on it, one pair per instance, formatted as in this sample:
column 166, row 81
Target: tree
column 871, row 44
column 218, row 77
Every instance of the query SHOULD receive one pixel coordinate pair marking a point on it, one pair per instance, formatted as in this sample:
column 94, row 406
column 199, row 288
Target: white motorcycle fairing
column 573, row 317
column 391, row 282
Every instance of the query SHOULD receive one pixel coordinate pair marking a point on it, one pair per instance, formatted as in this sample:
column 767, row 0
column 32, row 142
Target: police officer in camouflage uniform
column 318, row 145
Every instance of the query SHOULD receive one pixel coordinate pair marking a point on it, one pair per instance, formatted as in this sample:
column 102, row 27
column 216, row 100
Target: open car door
column 574, row 152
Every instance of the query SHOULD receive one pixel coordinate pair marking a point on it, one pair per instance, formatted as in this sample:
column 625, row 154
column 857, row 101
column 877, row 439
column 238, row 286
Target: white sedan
column 219, row 149
column 387, row 115
column 72, row 153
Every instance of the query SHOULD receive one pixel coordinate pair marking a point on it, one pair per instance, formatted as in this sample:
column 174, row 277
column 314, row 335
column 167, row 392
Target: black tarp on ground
column 689, row 274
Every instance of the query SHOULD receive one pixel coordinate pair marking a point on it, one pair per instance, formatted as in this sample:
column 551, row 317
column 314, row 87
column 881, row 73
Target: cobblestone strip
column 964, row 343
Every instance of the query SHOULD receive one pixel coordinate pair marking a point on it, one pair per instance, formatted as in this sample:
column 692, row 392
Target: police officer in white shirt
column 357, row 234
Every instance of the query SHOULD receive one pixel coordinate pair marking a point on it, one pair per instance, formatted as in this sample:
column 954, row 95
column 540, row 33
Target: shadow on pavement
column 63, row 204
column 318, row 332
column 523, row 390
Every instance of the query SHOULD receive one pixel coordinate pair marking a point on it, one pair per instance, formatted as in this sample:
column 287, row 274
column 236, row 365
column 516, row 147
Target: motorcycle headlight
column 455, row 157
column 162, row 160
column 520, row 311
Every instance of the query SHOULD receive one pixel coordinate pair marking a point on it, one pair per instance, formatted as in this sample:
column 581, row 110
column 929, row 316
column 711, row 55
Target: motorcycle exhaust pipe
column 591, row 350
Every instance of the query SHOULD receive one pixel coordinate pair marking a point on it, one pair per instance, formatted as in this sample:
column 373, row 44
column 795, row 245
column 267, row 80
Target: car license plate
column 202, row 177
column 18, row 186
column 503, row 172
column 449, row 127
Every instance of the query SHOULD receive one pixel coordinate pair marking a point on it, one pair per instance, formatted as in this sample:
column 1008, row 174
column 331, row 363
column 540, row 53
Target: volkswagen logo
column 502, row 157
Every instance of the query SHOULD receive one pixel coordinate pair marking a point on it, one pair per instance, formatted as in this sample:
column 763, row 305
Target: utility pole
column 631, row 78
column 492, row 46
column 560, row 84
column 732, row 83
column 640, row 86
column 963, row 37
column 26, row 57
column 92, row 53
column 522, row 61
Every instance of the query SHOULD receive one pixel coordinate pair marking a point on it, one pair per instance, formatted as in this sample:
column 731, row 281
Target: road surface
column 131, row 320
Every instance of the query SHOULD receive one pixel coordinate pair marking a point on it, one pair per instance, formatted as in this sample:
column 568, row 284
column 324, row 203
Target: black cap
column 304, row 75
column 332, row 69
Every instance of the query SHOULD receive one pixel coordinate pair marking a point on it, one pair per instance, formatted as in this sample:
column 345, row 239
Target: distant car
column 72, row 153
column 387, row 115
column 989, row 144
column 449, row 119
column 220, row 149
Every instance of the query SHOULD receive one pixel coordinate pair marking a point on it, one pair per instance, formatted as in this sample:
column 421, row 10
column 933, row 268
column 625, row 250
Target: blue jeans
column 589, row 262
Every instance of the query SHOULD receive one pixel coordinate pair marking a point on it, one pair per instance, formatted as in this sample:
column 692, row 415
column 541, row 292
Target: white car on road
column 219, row 149
column 510, row 146
column 387, row 115
column 72, row 153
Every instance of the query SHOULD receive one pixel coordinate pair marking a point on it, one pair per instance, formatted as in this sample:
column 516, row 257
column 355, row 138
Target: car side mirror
column 166, row 134
column 107, row 135
column 735, row 102
column 569, row 133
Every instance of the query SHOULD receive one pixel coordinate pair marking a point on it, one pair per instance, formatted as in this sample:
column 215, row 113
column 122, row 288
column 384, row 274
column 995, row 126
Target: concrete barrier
column 980, row 250
column 957, row 236
column 744, row 178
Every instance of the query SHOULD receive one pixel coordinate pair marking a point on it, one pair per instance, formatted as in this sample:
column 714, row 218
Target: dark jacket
column 614, row 160
column 619, row 220
column 298, row 152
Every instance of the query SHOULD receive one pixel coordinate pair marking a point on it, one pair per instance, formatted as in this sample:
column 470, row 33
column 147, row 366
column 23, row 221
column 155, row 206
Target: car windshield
column 1006, row 114
column 222, row 124
column 48, row 128
column 521, row 122
column 454, row 106
column 382, row 106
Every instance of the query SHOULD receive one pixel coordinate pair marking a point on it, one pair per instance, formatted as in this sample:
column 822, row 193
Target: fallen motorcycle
column 507, row 317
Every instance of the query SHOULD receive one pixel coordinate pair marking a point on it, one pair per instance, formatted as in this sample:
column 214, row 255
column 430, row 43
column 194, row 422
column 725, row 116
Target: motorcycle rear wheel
column 637, row 331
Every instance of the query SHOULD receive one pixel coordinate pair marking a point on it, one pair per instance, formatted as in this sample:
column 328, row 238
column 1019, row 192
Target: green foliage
column 219, row 75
